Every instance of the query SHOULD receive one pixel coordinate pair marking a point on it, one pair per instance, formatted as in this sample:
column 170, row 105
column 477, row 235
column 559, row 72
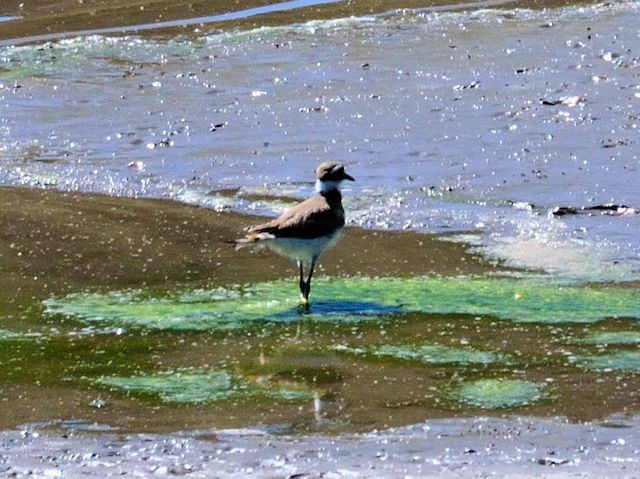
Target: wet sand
column 55, row 243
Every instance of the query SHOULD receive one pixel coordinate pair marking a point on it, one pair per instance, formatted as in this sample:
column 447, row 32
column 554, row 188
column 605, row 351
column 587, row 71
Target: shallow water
column 370, row 353
column 473, row 120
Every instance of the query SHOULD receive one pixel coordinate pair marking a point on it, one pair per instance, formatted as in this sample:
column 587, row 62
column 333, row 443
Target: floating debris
column 610, row 143
column 570, row 101
column 97, row 403
column 474, row 84
column 138, row 165
column 609, row 209
column 522, row 205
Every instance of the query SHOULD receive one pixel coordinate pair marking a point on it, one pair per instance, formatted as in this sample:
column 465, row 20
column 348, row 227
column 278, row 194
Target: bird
column 305, row 231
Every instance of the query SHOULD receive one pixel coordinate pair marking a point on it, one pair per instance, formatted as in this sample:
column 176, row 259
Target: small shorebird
column 305, row 231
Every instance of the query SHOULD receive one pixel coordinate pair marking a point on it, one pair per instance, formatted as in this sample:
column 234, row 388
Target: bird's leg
column 308, row 282
column 302, row 283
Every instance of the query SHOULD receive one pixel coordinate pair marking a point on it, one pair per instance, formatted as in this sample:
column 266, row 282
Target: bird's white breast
column 302, row 249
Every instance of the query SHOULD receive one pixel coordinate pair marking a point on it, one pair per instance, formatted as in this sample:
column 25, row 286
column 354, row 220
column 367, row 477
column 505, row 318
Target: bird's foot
column 304, row 303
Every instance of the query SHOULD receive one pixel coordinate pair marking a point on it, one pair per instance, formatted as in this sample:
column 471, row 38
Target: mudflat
column 54, row 242
column 469, row 448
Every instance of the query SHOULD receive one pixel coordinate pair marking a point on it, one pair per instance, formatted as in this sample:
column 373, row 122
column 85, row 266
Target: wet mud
column 55, row 243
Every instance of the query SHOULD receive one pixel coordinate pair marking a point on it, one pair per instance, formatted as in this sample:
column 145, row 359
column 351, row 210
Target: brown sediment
column 42, row 17
column 54, row 242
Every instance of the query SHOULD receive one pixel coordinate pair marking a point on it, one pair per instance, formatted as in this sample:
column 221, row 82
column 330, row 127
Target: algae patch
column 179, row 387
column 618, row 361
column 611, row 337
column 497, row 393
column 194, row 386
column 6, row 335
column 351, row 299
column 428, row 353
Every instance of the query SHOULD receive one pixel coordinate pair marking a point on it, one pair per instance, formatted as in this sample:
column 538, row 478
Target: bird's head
column 330, row 175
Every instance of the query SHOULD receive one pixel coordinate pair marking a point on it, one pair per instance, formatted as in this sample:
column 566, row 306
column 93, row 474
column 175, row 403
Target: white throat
column 324, row 186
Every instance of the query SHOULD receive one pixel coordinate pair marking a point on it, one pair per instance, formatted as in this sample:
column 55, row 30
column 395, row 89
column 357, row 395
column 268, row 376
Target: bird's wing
column 310, row 219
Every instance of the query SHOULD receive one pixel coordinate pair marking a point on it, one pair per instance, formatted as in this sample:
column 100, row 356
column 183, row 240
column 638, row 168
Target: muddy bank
column 53, row 243
column 467, row 448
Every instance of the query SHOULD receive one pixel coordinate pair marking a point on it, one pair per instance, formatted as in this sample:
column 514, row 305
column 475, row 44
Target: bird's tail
column 252, row 239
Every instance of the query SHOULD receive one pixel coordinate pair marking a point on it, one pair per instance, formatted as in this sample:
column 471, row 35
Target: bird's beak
column 348, row 177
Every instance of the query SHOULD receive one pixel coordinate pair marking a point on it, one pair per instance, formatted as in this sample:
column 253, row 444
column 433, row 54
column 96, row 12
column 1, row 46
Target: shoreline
column 32, row 22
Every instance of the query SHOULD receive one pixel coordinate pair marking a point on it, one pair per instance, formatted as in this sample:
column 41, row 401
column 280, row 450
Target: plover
column 305, row 231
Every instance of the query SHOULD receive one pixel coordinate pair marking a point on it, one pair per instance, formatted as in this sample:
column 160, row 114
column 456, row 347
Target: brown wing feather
column 310, row 219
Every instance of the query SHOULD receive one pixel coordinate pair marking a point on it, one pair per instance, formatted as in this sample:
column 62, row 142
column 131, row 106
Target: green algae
column 618, row 361
column 429, row 353
column 179, row 387
column 196, row 386
column 611, row 337
column 6, row 335
column 351, row 299
column 497, row 393
column 84, row 53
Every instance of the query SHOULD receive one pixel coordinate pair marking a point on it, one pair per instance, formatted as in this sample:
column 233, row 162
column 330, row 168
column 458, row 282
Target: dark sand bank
column 53, row 243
